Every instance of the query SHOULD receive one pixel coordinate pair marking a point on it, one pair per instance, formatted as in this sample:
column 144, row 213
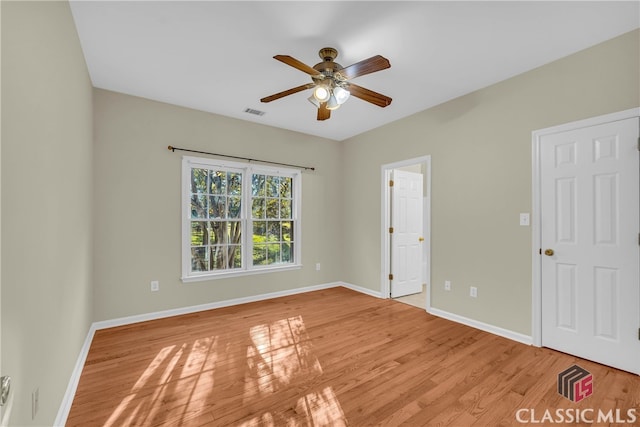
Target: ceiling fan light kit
column 331, row 86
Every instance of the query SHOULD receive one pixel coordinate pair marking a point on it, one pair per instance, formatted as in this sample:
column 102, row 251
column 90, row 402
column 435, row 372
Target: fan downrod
column 328, row 54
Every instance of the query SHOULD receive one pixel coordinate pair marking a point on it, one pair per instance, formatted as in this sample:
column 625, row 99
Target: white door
column 406, row 238
column 589, row 194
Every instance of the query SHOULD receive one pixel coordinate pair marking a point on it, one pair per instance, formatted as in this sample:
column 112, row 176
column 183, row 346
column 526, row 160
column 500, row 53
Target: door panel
column 406, row 246
column 590, row 219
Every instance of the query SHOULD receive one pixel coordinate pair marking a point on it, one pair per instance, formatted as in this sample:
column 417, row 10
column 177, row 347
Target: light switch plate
column 524, row 219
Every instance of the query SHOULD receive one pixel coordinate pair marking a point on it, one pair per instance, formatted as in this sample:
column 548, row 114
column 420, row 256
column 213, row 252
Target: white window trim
column 247, row 170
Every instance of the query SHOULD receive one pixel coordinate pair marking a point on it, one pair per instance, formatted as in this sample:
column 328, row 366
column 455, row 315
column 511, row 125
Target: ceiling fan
column 331, row 85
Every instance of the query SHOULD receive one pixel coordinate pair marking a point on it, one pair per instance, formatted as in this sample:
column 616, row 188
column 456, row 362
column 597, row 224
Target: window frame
column 247, row 170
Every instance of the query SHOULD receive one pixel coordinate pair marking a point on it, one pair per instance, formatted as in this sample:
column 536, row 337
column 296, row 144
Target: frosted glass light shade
column 312, row 99
column 321, row 93
column 341, row 95
column 332, row 103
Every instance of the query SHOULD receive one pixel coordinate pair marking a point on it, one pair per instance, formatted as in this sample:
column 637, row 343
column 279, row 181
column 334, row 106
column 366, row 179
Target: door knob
column 420, row 239
column 548, row 252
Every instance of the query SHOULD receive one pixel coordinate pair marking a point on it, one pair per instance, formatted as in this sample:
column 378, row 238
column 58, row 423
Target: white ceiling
column 216, row 56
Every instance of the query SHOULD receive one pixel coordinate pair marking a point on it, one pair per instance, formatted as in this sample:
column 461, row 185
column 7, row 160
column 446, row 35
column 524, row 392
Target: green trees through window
column 238, row 225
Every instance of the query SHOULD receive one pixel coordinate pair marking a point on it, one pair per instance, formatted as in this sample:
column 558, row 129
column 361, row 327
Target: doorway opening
column 400, row 246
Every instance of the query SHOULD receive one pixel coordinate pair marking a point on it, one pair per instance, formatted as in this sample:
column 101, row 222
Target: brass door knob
column 420, row 239
column 548, row 252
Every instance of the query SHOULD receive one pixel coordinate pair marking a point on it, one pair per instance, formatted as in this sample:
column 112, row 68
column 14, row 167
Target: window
column 238, row 219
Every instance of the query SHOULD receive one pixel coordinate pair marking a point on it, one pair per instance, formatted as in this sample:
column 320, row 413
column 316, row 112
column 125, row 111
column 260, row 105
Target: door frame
column 536, row 231
column 385, row 223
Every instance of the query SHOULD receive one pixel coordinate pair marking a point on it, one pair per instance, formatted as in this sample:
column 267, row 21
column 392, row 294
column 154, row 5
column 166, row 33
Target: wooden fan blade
column 366, row 66
column 368, row 95
column 287, row 92
column 323, row 112
column 293, row 62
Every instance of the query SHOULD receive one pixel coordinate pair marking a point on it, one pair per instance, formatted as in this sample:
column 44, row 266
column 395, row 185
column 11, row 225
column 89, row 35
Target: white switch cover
column 155, row 286
column 524, row 219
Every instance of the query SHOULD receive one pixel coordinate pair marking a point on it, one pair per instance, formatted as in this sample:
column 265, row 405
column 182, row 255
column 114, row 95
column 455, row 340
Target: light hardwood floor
column 326, row 358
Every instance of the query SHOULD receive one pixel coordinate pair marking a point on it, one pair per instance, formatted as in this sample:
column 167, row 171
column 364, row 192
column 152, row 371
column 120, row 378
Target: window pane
column 273, row 231
column 273, row 208
column 217, row 258
column 273, row 253
column 198, row 206
column 257, row 185
column 218, row 182
column 199, row 259
column 235, row 256
column 259, row 232
column 235, row 232
column 199, row 180
column 199, row 234
column 286, row 252
column 234, row 180
column 285, row 187
column 257, row 208
column 273, row 182
column 218, row 232
column 287, row 231
column 259, row 254
column 234, row 207
column 217, row 207
column 285, row 209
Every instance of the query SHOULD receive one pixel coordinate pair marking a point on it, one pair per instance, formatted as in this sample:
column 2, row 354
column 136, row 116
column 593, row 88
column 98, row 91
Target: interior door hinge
column 390, row 276
column 391, row 230
column 390, row 183
column 638, row 334
column 639, row 143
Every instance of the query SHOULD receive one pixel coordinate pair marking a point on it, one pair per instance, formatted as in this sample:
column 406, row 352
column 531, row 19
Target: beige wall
column 480, row 147
column 46, row 204
column 137, row 203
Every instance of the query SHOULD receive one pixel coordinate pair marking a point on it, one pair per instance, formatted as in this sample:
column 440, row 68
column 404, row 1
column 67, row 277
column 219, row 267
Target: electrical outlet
column 447, row 285
column 35, row 402
column 317, row 266
column 473, row 292
column 155, row 286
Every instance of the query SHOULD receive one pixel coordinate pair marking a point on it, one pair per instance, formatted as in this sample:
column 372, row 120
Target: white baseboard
column 360, row 289
column 209, row 306
column 67, row 400
column 496, row 330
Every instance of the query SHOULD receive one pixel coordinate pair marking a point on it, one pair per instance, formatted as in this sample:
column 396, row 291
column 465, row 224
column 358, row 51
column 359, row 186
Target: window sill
column 226, row 275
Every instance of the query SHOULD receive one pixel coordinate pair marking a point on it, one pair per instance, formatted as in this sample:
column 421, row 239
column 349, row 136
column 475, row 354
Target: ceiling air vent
column 254, row 112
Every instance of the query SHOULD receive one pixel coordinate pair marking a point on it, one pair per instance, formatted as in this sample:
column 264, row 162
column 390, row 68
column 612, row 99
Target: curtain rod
column 172, row 148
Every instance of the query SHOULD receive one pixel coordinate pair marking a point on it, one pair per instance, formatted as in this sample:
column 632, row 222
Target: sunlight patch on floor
column 280, row 351
column 322, row 409
column 279, row 354
column 150, row 392
column 179, row 382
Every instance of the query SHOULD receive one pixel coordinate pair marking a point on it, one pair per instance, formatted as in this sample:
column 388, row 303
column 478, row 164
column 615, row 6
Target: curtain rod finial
column 171, row 148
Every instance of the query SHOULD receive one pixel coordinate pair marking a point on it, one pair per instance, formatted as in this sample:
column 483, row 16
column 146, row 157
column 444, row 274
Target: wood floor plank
column 326, row 358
